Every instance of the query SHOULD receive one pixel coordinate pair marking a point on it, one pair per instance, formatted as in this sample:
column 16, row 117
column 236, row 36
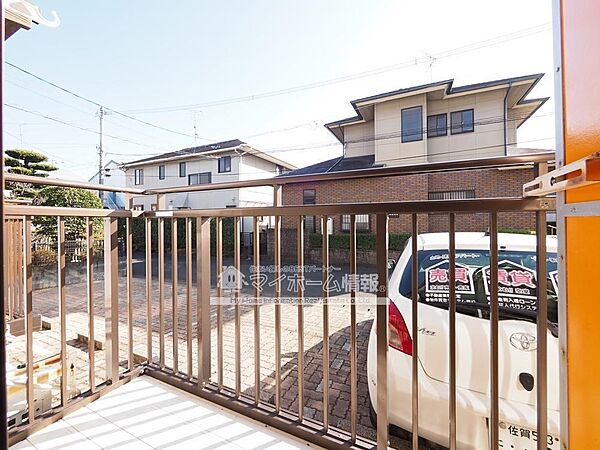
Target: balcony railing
column 173, row 320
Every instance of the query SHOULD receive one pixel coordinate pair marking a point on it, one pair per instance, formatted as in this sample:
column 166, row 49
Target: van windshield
column 517, row 284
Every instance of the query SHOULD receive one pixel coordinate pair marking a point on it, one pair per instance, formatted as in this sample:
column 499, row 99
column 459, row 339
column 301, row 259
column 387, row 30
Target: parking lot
column 46, row 343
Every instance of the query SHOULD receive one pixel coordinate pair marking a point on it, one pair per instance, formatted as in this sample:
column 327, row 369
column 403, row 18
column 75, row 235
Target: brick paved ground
column 47, row 343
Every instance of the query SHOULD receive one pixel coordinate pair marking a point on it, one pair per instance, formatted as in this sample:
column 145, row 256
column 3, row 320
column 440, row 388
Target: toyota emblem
column 523, row 341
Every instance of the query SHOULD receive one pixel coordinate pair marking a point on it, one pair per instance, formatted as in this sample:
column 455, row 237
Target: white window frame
column 198, row 177
column 138, row 177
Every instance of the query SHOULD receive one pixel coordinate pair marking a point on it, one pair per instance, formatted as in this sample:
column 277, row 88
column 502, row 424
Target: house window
column 138, row 176
column 309, row 197
column 225, row 164
column 362, row 222
column 437, row 125
column 412, row 124
column 199, row 178
column 161, row 172
column 461, row 121
column 182, row 170
column 452, row 195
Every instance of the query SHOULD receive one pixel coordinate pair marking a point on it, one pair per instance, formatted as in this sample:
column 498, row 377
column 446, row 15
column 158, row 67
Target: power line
column 62, row 122
column 405, row 158
column 483, row 121
column 95, row 103
column 53, row 156
column 75, row 108
column 368, row 73
column 47, row 97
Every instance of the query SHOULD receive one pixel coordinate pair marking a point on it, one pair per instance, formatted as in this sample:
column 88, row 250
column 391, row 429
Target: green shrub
column 75, row 227
column 43, row 257
column 515, row 231
column 364, row 241
column 139, row 234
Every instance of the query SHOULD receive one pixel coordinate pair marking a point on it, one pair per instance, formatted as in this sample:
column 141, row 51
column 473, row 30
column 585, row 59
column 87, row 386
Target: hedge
column 139, row 234
column 364, row 241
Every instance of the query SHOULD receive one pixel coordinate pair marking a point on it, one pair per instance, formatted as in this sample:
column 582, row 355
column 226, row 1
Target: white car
column 517, row 342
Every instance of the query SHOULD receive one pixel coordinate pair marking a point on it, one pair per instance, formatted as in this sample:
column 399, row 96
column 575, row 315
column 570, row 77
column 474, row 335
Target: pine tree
column 26, row 162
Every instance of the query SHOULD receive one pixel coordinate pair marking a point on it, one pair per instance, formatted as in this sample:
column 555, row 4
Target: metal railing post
column 89, row 245
column 382, row 331
column 174, row 295
column 29, row 318
column 325, row 294
column 219, row 268
column 542, row 331
column 494, row 316
column 203, row 300
column 300, row 260
column 452, row 328
column 149, row 314
column 353, row 348
column 62, row 305
column 277, row 289
column 256, row 264
column 237, row 341
column 111, row 298
column 130, row 309
column 188, row 295
column 414, row 296
column 161, row 292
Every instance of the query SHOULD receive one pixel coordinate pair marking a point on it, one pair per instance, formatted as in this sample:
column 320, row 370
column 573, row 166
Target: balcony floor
column 148, row 414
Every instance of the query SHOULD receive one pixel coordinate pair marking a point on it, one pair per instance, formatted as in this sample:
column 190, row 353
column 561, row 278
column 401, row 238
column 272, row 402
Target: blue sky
column 141, row 57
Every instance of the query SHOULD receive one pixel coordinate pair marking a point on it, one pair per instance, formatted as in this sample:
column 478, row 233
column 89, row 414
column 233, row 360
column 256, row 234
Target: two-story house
column 425, row 124
column 232, row 160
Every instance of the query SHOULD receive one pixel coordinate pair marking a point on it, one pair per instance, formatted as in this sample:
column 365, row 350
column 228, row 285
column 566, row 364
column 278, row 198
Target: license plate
column 515, row 437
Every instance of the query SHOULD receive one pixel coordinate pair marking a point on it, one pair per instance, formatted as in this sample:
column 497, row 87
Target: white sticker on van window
column 437, row 280
column 517, row 287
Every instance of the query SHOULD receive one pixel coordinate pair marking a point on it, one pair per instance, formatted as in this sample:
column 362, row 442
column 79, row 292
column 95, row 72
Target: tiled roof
column 192, row 151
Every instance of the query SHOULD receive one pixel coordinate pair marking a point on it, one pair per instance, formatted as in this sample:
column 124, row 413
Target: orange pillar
column 577, row 50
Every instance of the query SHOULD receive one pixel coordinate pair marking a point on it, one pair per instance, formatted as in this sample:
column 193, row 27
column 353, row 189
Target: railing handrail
column 401, row 207
column 413, row 169
column 68, row 183
column 56, row 211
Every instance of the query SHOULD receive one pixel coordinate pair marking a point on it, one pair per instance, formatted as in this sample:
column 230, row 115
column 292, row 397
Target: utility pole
column 101, row 113
column 196, row 126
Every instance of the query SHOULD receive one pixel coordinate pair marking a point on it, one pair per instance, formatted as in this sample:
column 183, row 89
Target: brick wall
column 411, row 187
column 487, row 183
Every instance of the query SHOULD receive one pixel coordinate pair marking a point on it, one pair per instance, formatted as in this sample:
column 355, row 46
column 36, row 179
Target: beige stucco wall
column 363, row 133
column 253, row 168
column 391, row 151
column 245, row 167
column 196, row 200
column 488, row 137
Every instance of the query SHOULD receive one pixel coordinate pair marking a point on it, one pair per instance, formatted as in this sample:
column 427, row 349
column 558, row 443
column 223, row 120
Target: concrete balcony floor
column 148, row 414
